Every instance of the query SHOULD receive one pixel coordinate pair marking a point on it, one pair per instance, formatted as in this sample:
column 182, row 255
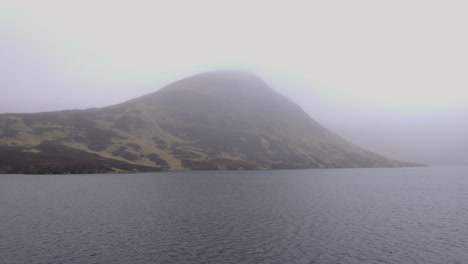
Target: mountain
column 221, row 120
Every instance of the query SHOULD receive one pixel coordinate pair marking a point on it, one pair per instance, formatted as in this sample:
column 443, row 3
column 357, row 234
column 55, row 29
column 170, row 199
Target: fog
column 433, row 137
column 389, row 77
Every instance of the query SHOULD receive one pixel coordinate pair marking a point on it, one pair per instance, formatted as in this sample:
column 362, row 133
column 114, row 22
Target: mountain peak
column 212, row 121
column 220, row 81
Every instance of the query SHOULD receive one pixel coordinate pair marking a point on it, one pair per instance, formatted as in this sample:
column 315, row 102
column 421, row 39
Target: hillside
column 210, row 121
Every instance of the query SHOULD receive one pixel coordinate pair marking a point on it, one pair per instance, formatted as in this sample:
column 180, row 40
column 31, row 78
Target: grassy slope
column 209, row 121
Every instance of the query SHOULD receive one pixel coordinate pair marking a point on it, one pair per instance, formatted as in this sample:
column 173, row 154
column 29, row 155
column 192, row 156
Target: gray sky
column 387, row 75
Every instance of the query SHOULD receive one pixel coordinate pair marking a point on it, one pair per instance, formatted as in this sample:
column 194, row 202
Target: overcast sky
column 388, row 75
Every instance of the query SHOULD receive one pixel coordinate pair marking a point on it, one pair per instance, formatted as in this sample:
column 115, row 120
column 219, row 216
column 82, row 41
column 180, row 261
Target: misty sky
column 390, row 76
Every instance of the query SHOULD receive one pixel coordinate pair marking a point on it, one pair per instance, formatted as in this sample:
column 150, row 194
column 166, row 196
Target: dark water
column 411, row 215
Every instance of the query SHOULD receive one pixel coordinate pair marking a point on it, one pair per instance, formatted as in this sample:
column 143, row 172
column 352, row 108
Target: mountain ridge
column 220, row 120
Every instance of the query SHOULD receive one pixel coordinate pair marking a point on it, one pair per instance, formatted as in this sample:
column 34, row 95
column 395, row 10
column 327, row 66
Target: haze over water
column 407, row 215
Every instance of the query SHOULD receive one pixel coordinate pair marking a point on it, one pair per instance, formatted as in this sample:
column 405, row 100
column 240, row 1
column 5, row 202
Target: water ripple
column 308, row 216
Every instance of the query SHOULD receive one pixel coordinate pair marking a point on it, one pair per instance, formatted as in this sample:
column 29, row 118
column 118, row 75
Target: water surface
column 408, row 215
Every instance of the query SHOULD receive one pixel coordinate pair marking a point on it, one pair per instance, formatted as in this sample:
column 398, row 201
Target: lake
column 404, row 215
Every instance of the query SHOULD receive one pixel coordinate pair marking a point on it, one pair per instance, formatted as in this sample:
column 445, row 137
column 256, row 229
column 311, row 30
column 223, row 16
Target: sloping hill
column 210, row 121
